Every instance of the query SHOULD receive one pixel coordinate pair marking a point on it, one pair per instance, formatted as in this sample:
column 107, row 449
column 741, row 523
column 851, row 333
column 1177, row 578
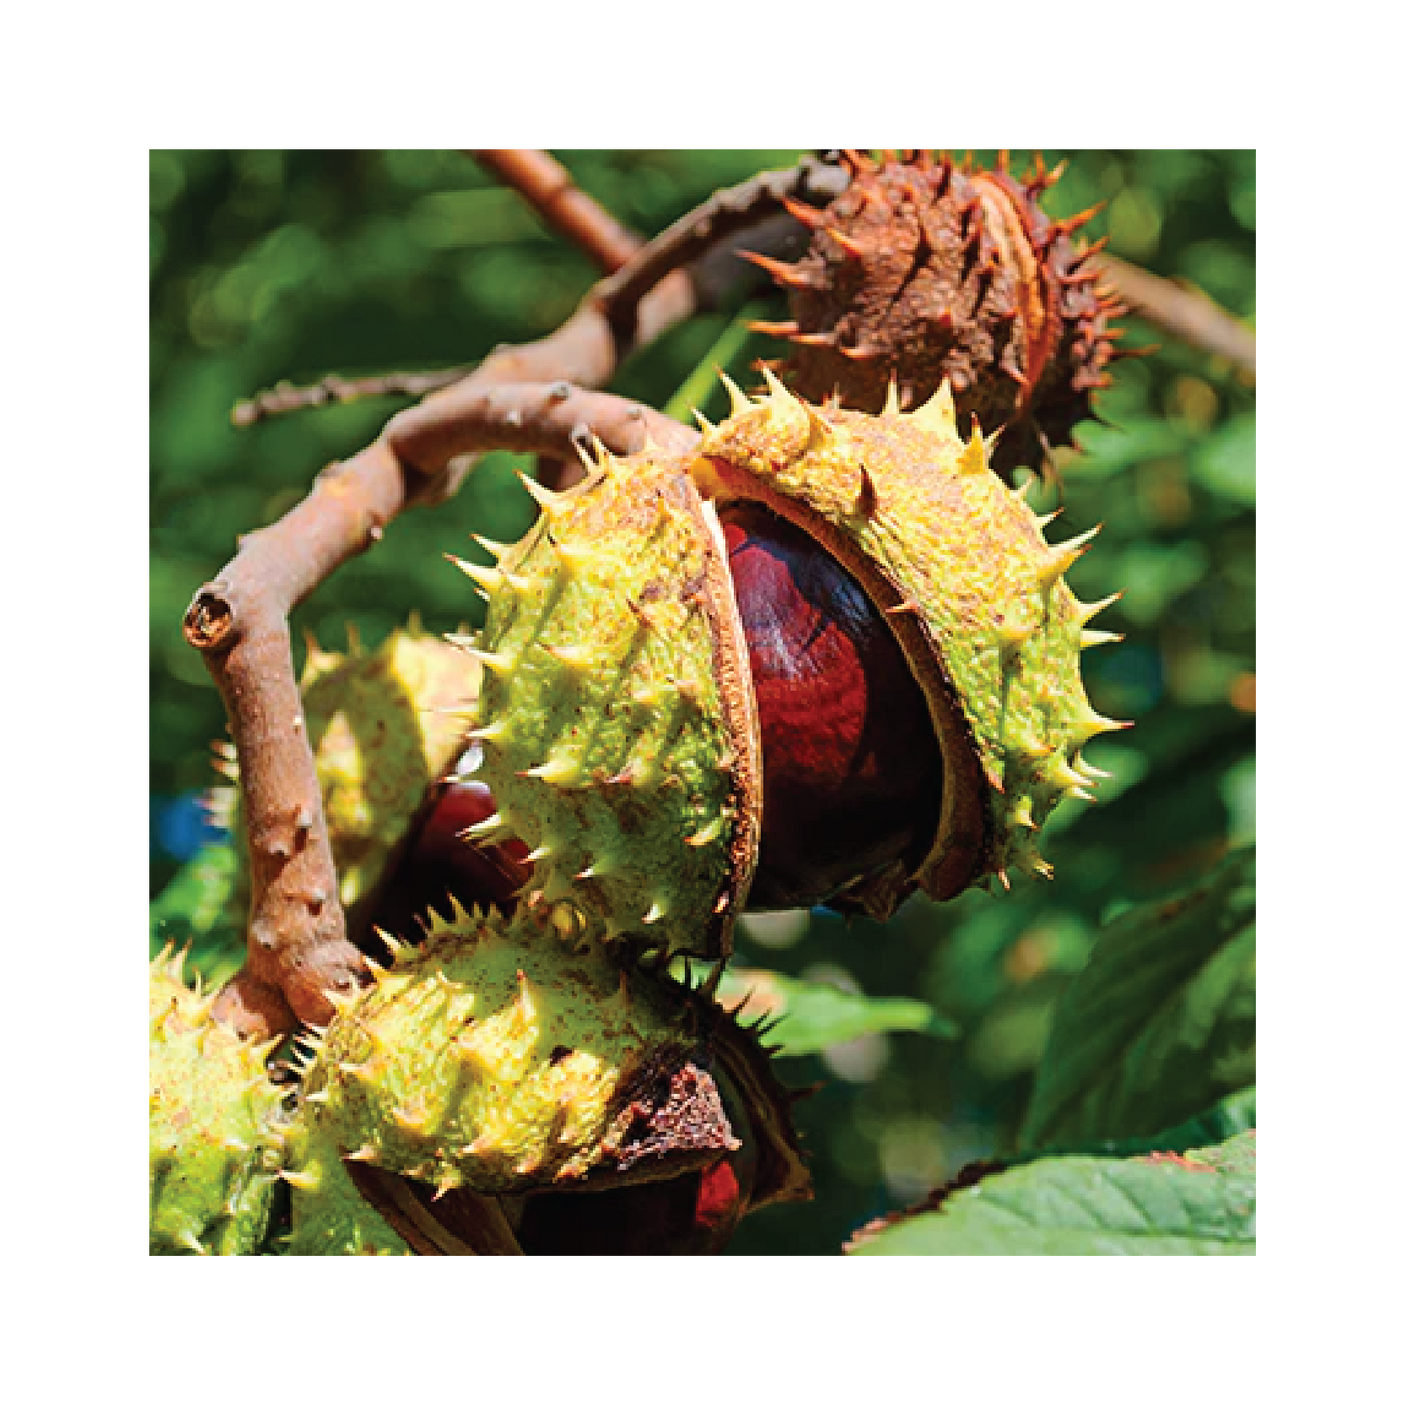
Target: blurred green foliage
column 287, row 265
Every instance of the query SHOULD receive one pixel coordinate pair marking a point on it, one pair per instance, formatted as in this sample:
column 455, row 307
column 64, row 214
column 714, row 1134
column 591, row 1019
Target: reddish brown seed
column 441, row 863
column 850, row 767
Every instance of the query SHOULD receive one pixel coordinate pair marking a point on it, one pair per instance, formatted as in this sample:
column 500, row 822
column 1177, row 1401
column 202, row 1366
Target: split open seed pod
column 507, row 1058
column 972, row 591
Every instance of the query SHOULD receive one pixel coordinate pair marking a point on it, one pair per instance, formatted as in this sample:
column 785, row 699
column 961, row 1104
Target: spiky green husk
column 973, row 592
column 216, row 1140
column 383, row 726
column 329, row 1216
column 506, row 1057
column 617, row 717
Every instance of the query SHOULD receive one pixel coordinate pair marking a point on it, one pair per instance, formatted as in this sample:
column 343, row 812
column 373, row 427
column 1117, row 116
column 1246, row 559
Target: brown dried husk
column 923, row 271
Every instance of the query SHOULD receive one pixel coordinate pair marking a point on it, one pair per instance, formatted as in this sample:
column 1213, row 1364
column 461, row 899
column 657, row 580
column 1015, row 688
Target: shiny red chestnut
column 442, row 863
column 851, row 772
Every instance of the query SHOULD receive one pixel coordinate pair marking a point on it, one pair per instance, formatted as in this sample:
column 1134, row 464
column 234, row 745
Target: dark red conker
column 851, row 773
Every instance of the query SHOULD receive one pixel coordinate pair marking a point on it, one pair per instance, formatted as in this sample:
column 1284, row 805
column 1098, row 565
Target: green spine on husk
column 216, row 1138
column 972, row 590
column 384, row 726
column 617, row 715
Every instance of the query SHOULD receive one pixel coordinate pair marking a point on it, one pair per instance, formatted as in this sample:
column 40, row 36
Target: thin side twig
column 333, row 389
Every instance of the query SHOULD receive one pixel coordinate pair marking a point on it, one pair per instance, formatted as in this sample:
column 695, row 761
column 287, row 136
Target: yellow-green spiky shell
column 383, row 726
column 617, row 716
column 328, row 1215
column 215, row 1134
column 972, row 590
column 510, row 1056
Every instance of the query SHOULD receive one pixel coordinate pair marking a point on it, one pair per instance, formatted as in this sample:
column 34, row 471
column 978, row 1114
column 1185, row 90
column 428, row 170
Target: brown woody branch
column 299, row 953
column 549, row 189
column 298, row 949
column 721, row 216
column 297, row 945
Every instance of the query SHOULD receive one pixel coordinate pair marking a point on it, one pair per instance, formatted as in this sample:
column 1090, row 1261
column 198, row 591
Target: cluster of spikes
column 614, row 715
column 925, row 270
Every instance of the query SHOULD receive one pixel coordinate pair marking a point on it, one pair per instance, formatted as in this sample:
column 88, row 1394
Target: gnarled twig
column 722, row 215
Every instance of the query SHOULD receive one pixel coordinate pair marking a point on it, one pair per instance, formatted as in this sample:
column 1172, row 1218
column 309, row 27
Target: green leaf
column 1224, row 1119
column 1159, row 1024
column 1164, row 1203
column 812, row 1016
